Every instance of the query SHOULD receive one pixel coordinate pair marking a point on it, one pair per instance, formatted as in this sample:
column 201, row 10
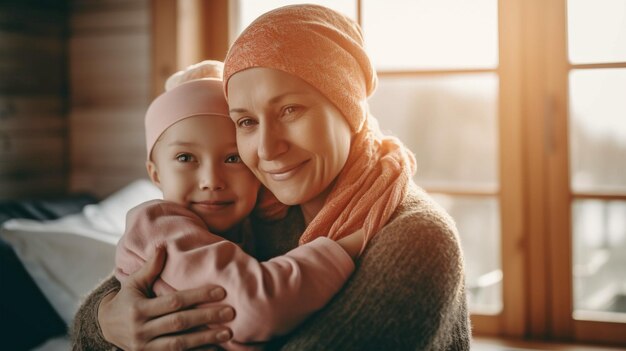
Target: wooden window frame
column 541, row 64
column 560, row 196
column 185, row 32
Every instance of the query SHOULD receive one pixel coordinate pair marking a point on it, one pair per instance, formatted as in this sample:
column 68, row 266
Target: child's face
column 196, row 164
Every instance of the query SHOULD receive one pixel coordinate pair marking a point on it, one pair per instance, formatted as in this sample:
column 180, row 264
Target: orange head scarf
column 325, row 49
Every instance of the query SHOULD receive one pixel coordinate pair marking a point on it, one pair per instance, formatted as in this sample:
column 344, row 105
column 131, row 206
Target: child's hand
column 353, row 243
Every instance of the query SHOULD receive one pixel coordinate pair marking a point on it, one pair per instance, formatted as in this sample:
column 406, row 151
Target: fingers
column 180, row 300
column 185, row 320
column 191, row 340
column 148, row 273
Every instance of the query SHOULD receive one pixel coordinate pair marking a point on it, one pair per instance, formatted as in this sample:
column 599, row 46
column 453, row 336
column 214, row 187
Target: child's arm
column 353, row 243
column 270, row 298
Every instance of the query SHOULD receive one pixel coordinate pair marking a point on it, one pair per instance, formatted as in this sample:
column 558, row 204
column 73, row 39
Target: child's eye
column 246, row 123
column 233, row 159
column 184, row 158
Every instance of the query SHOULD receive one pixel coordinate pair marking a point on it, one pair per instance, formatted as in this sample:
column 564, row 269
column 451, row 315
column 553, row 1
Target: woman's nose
column 272, row 142
column 211, row 179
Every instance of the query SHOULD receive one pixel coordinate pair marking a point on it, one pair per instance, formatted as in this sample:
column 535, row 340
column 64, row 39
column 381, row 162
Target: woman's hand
column 132, row 320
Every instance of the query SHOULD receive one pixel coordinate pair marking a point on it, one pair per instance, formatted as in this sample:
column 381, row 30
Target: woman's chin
column 289, row 199
column 291, row 195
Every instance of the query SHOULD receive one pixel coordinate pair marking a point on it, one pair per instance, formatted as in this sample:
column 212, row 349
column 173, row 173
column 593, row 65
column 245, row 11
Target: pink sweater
column 270, row 298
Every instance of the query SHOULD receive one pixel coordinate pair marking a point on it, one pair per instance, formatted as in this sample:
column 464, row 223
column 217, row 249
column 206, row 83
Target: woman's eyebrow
column 277, row 98
column 272, row 101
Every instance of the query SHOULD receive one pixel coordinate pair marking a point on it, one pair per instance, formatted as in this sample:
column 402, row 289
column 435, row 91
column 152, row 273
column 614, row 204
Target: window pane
column 443, row 34
column 598, row 130
column 247, row 11
column 597, row 31
column 449, row 122
column 599, row 259
column 477, row 219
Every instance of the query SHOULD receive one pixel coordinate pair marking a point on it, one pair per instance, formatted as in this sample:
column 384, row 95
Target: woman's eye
column 289, row 110
column 233, row 159
column 184, row 158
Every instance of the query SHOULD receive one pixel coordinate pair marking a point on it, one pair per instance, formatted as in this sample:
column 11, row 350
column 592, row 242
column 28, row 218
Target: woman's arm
column 133, row 321
column 85, row 333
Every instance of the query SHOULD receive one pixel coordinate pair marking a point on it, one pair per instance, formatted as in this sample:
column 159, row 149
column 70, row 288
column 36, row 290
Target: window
column 586, row 152
column 442, row 91
column 515, row 111
column 597, row 150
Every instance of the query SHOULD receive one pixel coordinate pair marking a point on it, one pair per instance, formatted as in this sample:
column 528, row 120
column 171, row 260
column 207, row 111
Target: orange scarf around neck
column 368, row 190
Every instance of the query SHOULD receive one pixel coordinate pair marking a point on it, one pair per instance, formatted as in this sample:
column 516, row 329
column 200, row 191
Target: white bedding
column 67, row 257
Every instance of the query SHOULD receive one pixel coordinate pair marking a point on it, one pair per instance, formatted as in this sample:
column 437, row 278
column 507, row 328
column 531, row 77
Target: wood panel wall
column 76, row 77
column 110, row 73
column 33, row 91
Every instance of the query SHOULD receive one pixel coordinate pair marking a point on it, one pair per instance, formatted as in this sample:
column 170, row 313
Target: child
column 208, row 194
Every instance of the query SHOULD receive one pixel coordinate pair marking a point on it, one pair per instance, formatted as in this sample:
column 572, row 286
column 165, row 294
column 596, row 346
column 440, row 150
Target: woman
column 297, row 80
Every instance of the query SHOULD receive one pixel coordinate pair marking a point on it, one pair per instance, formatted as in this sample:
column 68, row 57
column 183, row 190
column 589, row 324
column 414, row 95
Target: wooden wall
column 33, row 94
column 110, row 65
column 121, row 53
column 76, row 77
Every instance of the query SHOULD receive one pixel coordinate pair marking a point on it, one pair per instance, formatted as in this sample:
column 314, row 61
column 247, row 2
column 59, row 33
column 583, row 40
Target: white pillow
column 110, row 214
column 68, row 256
column 61, row 343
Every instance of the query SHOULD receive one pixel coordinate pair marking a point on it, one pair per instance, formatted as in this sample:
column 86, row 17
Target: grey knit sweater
column 407, row 292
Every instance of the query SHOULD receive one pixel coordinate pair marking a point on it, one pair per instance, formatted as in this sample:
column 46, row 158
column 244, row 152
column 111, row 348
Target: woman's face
column 291, row 137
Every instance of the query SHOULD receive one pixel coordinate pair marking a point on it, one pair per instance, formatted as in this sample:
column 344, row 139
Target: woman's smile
column 285, row 173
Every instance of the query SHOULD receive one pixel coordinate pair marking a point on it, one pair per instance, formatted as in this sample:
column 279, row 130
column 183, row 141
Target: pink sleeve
column 270, row 298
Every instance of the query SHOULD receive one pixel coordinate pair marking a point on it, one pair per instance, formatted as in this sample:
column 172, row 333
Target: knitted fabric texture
column 319, row 45
column 194, row 98
column 200, row 70
column 325, row 49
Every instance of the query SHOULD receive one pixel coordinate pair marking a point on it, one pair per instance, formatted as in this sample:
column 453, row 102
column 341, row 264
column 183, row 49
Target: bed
column 52, row 253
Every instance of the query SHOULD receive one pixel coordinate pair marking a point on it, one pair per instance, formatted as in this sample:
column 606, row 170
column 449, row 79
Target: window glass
column 596, row 31
column 598, row 130
column 449, row 122
column 443, row 34
column 599, row 259
column 478, row 222
column 249, row 10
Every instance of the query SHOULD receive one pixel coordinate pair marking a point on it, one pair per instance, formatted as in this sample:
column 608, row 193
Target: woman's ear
column 153, row 173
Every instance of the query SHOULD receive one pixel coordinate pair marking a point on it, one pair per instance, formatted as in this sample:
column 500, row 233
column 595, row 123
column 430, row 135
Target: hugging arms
column 304, row 131
column 406, row 294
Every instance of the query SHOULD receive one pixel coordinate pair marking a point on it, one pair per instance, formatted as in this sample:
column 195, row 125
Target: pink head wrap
column 192, row 98
column 316, row 44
